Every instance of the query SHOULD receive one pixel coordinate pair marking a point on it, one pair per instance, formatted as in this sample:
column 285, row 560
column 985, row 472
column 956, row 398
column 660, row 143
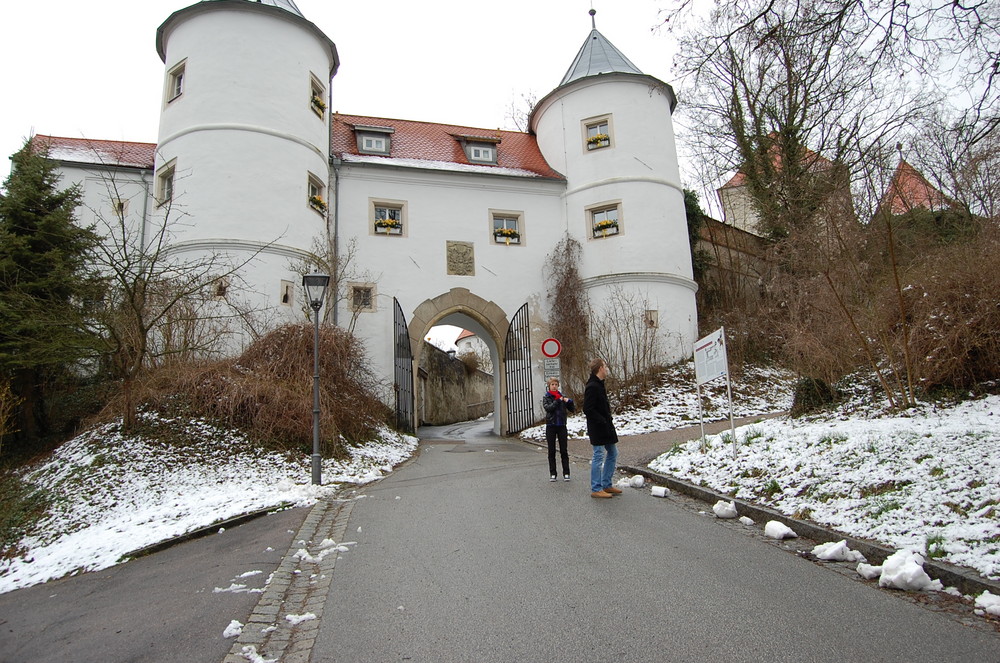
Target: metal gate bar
column 517, row 368
column 403, row 370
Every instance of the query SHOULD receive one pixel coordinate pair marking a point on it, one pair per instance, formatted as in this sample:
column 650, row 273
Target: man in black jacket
column 601, row 431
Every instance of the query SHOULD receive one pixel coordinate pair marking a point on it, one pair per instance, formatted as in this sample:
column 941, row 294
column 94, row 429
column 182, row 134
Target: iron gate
column 403, row 370
column 517, row 368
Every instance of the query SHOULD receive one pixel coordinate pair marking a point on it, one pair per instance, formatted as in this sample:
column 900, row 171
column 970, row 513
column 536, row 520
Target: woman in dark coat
column 601, row 430
column 556, row 408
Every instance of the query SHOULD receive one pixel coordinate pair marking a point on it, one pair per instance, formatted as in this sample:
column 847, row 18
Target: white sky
column 90, row 69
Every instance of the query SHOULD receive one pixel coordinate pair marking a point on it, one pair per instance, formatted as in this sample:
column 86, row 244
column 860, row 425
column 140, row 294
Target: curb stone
column 296, row 587
column 966, row 581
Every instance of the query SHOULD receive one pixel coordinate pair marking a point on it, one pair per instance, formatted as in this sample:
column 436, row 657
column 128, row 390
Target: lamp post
column 315, row 286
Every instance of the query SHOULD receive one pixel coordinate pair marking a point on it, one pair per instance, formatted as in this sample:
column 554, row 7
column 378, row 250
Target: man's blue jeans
column 602, row 466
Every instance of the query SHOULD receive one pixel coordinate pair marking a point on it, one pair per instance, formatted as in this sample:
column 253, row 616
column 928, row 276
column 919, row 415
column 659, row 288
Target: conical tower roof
column 287, row 5
column 597, row 56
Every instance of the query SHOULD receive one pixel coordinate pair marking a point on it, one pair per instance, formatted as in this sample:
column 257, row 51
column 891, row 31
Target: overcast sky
column 90, row 69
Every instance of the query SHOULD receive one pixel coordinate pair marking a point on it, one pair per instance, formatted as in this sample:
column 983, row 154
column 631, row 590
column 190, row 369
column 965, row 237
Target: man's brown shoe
column 613, row 490
column 600, row 493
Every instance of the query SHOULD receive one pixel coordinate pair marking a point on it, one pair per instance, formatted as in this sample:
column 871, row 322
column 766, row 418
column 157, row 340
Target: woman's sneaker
column 565, row 477
column 552, row 478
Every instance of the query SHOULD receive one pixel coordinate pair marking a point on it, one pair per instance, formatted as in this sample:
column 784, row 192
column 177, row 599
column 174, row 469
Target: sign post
column 711, row 362
column 551, row 349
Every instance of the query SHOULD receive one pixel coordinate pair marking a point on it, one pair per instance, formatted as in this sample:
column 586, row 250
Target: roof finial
column 593, row 21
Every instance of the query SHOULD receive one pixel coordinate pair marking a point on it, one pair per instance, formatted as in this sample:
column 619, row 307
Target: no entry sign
column 551, row 348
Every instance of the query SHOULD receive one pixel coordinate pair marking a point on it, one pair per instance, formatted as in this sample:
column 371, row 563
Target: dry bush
column 471, row 362
column 267, row 391
column 953, row 305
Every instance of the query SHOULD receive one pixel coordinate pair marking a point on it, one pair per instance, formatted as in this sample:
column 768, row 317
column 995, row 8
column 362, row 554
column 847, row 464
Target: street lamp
column 315, row 285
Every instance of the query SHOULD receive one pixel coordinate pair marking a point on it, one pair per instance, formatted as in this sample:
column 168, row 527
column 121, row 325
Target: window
column 482, row 153
column 605, row 220
column 507, row 227
column 374, row 140
column 315, row 194
column 175, row 82
column 120, row 207
column 652, row 319
column 362, row 297
column 316, row 94
column 221, row 288
column 388, row 217
column 287, row 293
column 597, row 132
column 165, row 183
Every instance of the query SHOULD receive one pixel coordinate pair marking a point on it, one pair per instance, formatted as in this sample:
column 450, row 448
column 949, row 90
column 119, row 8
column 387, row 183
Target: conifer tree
column 46, row 284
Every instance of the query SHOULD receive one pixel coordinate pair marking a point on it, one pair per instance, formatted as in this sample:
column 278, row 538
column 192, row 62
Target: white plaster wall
column 442, row 207
column 244, row 140
column 650, row 256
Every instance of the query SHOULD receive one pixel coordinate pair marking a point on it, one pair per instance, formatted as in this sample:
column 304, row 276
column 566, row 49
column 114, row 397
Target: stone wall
column 446, row 392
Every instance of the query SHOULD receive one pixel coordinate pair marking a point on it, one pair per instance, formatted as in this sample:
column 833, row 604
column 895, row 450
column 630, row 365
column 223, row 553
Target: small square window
column 605, row 220
column 482, row 153
column 506, row 228
column 373, row 139
column 388, row 218
column 374, row 144
column 598, row 133
column 120, row 207
column 362, row 297
column 175, row 82
column 652, row 319
column 287, row 293
column 221, row 287
column 315, row 194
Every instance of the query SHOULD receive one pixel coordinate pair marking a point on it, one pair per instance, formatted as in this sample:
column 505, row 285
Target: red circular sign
column 551, row 348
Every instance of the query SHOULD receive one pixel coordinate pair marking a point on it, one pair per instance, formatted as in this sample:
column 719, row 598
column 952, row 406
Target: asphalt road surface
column 469, row 553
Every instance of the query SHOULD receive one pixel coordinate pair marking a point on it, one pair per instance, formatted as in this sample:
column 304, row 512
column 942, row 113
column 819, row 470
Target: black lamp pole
column 315, row 286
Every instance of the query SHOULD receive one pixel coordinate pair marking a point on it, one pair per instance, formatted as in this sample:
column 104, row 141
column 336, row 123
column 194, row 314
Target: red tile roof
column 815, row 162
column 102, row 152
column 910, row 190
column 439, row 144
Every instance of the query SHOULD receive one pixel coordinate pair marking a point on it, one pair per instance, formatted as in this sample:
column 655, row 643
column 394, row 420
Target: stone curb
column 299, row 586
column 966, row 581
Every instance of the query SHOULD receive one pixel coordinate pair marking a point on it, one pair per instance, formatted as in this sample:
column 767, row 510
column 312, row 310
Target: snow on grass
column 114, row 494
column 927, row 479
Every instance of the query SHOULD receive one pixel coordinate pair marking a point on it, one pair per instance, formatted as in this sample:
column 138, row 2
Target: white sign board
column 710, row 357
column 551, row 368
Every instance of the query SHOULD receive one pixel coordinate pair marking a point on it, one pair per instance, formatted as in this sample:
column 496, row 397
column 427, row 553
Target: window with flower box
column 597, row 133
column 316, row 194
column 387, row 217
column 317, row 92
column 507, row 227
column 605, row 220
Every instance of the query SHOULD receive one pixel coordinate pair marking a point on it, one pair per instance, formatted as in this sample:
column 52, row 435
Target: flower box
column 318, row 105
column 599, row 140
column 507, row 235
column 389, row 226
column 317, row 204
column 605, row 228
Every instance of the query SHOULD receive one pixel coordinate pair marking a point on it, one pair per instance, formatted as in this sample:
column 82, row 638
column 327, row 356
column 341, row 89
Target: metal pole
column 316, row 468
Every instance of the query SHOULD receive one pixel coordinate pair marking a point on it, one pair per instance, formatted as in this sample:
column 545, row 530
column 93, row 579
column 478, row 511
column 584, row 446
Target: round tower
column 607, row 127
column 242, row 163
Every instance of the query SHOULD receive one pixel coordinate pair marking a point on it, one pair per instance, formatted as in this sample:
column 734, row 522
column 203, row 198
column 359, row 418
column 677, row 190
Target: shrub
column 811, row 394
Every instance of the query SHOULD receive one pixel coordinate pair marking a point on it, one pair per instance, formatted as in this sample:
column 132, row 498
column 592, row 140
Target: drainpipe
column 335, row 162
column 145, row 208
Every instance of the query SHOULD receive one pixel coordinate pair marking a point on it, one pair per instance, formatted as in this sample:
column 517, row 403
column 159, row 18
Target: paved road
column 468, row 553
column 161, row 607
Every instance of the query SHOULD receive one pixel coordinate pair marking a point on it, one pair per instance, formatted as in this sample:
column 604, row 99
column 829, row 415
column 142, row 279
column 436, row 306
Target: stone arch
column 487, row 314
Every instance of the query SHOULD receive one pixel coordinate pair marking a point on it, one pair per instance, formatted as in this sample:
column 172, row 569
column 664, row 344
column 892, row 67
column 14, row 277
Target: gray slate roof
column 598, row 56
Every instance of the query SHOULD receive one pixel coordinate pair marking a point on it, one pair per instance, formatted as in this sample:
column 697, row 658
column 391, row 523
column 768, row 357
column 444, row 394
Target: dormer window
column 479, row 149
column 374, row 140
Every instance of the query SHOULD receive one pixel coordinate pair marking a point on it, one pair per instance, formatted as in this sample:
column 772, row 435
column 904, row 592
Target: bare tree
column 519, row 110
column 340, row 266
column 625, row 336
column 159, row 305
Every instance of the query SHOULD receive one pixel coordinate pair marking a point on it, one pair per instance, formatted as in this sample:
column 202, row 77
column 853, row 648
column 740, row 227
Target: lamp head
column 315, row 285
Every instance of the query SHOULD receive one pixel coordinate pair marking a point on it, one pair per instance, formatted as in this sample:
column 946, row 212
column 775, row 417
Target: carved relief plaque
column 461, row 259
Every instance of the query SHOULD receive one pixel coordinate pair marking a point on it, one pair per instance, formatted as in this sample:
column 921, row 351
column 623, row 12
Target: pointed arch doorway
column 509, row 348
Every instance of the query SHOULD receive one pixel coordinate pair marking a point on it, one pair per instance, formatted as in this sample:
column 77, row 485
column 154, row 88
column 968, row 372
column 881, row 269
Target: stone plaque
column 461, row 259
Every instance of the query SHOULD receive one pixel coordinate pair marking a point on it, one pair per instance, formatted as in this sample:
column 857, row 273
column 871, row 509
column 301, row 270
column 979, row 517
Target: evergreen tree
column 46, row 284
